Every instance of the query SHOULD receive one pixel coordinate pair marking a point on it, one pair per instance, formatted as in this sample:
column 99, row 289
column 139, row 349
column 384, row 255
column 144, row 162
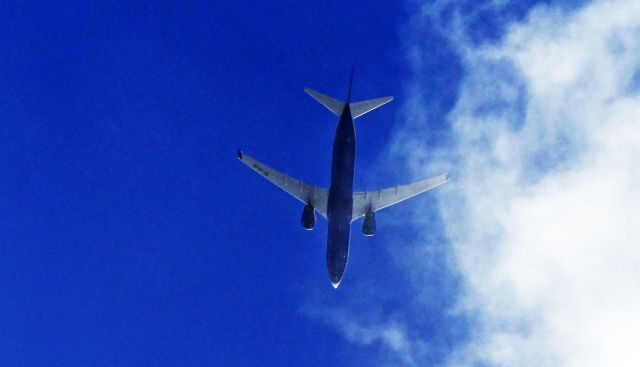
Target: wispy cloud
column 544, row 213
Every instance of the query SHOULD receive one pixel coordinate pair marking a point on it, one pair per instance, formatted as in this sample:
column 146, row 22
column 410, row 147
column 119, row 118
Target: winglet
column 240, row 154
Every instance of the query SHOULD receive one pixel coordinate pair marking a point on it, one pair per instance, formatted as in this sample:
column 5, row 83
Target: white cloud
column 544, row 212
column 392, row 335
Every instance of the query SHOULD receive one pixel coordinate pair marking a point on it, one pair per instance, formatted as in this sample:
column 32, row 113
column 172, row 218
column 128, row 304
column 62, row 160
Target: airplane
column 339, row 204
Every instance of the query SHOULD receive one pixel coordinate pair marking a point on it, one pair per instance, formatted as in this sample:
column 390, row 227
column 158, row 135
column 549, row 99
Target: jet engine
column 308, row 217
column 369, row 224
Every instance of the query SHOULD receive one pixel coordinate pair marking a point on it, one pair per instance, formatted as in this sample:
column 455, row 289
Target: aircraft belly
column 340, row 202
column 338, row 250
column 339, row 215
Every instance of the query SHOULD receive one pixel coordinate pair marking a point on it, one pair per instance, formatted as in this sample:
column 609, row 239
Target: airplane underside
column 340, row 204
column 337, row 250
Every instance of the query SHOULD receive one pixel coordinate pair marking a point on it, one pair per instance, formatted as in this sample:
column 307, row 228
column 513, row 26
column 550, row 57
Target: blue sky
column 132, row 236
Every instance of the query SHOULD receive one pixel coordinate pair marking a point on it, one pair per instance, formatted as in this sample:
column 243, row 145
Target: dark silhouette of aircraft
column 340, row 205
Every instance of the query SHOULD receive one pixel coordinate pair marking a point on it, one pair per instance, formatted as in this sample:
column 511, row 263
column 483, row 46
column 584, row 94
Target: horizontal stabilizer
column 360, row 108
column 332, row 104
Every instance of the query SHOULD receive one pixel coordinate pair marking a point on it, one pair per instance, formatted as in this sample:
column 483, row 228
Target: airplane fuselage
column 340, row 203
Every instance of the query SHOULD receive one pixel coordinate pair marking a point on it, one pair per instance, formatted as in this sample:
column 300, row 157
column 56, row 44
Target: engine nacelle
column 369, row 224
column 308, row 217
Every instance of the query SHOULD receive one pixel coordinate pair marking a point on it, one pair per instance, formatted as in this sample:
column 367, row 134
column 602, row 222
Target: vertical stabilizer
column 350, row 85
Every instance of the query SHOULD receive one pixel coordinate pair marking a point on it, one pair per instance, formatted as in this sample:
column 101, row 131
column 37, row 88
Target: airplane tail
column 357, row 108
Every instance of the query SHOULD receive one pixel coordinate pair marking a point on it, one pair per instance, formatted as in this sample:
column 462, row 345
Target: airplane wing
column 308, row 194
column 366, row 201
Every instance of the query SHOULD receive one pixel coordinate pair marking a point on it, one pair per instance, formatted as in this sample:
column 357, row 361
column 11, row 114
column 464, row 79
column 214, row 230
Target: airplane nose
column 335, row 280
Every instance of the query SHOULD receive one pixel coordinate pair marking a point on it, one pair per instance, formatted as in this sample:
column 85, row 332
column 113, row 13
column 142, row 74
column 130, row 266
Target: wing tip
column 240, row 154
